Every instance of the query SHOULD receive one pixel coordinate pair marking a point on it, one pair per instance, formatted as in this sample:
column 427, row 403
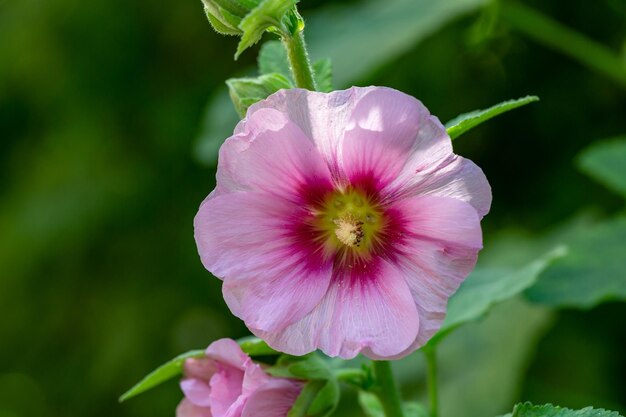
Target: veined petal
column 274, row 399
column 271, row 154
column 323, row 117
column 271, row 279
column 456, row 177
column 363, row 130
column 390, row 134
column 440, row 248
column 367, row 308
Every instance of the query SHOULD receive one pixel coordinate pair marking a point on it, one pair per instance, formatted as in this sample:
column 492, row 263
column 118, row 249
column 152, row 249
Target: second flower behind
column 227, row 383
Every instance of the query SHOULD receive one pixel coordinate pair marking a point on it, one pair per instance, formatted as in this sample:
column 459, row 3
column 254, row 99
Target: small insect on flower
column 226, row 383
column 342, row 221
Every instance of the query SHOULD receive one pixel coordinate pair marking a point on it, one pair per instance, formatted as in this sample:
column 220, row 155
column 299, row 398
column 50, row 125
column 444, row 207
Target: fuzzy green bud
column 226, row 15
column 251, row 18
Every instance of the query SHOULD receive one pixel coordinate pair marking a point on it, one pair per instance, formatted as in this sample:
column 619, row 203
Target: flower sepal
column 244, row 92
column 320, row 395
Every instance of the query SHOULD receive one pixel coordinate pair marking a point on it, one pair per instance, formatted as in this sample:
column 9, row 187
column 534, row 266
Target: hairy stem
column 387, row 389
column 299, row 61
column 430, row 353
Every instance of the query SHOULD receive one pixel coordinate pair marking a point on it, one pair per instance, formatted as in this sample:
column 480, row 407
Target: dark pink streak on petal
column 269, row 278
column 439, row 249
column 273, row 156
column 367, row 306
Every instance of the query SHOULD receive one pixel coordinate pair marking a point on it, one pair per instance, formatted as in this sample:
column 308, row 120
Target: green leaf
column 549, row 410
column 253, row 346
column 163, row 373
column 244, row 92
column 219, row 122
column 219, row 26
column 323, row 72
column 372, row 407
column 326, row 400
column 360, row 37
column 370, row 404
column 591, row 273
column 318, row 398
column 606, row 162
column 413, row 409
column 268, row 14
column 310, row 366
column 320, row 395
column 273, row 59
column 464, row 122
column 488, row 286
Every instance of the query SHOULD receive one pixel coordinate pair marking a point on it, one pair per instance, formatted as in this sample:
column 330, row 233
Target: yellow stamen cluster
column 349, row 222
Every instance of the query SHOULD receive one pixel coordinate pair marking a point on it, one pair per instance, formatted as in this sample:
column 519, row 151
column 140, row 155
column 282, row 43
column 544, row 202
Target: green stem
column 388, row 390
column 353, row 376
column 430, row 352
column 299, row 61
column 563, row 39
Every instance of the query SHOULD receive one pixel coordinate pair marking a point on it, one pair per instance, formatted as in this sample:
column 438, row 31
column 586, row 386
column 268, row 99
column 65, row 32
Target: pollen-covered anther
column 349, row 230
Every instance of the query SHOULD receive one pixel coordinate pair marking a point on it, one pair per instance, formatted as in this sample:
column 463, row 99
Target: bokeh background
column 106, row 151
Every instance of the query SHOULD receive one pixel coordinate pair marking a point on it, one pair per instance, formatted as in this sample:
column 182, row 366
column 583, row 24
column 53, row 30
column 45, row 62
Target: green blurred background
column 102, row 134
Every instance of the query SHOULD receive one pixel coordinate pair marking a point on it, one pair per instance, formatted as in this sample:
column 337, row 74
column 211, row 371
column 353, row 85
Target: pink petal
column 323, row 117
column 390, row 133
column 254, row 377
column 271, row 280
column 196, row 390
column 274, row 399
column 227, row 352
column 225, row 389
column 187, row 409
column 363, row 128
column 440, row 250
column 364, row 309
column 202, row 368
column 456, row 177
column 271, row 154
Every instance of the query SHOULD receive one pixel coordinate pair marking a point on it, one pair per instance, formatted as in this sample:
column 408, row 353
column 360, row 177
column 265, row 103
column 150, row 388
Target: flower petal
column 187, row 409
column 274, row 399
column 227, row 351
column 321, row 116
column 456, row 177
column 197, row 391
column 225, row 389
column 359, row 129
column 254, row 378
column 439, row 251
column 271, row 154
column 271, row 278
column 200, row 368
column 390, row 133
column 367, row 308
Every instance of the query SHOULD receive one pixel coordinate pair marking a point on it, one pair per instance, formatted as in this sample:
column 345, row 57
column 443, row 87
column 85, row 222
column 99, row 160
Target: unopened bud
column 226, row 15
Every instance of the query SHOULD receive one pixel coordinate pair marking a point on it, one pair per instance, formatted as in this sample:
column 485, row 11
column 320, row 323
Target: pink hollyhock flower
column 228, row 384
column 342, row 221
